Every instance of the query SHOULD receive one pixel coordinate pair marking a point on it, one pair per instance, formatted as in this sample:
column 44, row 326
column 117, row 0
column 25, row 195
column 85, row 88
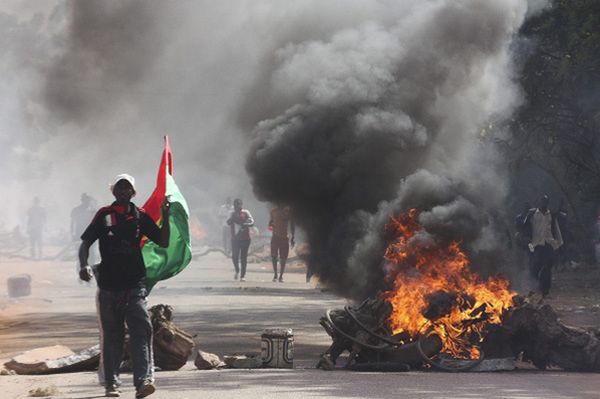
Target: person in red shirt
column 280, row 241
column 240, row 222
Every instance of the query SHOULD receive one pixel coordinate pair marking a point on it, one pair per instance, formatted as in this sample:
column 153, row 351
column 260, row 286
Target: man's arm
column 249, row 222
column 85, row 271
column 292, row 232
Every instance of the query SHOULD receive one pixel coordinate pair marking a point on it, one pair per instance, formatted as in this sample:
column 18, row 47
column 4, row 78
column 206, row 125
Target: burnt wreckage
column 530, row 331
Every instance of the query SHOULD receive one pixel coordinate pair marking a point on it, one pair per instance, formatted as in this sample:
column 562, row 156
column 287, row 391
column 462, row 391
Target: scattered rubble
column 536, row 331
column 277, row 348
column 7, row 372
column 208, row 361
column 247, row 361
column 54, row 359
column 530, row 331
column 44, row 392
column 172, row 346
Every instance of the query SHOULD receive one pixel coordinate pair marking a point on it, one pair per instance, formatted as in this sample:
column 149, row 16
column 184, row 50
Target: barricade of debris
column 530, row 331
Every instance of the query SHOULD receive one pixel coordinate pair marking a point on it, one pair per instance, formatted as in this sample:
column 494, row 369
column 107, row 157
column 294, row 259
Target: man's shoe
column 112, row 391
column 147, row 388
column 235, row 277
column 281, row 279
column 242, row 279
column 274, row 279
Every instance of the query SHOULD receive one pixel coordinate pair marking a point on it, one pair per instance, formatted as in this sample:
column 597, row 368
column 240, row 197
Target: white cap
column 123, row 176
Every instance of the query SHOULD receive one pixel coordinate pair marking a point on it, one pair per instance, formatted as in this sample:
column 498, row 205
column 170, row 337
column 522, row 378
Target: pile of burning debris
column 440, row 314
column 530, row 331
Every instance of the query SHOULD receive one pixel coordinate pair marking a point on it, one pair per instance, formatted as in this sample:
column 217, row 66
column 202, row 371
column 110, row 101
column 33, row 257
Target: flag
column 163, row 263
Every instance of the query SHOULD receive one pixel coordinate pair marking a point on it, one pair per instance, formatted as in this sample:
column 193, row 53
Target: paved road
column 227, row 317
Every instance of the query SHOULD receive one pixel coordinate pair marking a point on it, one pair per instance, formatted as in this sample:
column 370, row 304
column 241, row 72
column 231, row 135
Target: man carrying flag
column 127, row 272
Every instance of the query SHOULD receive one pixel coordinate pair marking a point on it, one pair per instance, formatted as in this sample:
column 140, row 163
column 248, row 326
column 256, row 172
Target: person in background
column 545, row 240
column 280, row 220
column 224, row 213
column 240, row 220
column 121, row 277
column 36, row 221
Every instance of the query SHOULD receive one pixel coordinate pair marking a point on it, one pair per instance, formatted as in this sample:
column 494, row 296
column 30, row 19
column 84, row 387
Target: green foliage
column 558, row 130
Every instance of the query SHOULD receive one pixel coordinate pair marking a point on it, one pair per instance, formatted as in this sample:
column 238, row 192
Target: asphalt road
column 228, row 317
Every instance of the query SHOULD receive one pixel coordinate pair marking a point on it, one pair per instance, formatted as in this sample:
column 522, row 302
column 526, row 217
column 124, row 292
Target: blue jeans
column 239, row 254
column 117, row 308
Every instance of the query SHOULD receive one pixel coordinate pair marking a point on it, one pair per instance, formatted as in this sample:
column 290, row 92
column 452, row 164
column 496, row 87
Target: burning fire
column 436, row 293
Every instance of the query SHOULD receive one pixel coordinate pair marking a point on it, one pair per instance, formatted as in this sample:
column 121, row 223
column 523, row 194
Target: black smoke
column 388, row 118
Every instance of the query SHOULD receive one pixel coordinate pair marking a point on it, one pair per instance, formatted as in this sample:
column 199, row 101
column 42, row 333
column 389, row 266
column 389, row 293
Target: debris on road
column 44, row 392
column 172, row 346
column 247, row 361
column 277, row 348
column 54, row 359
column 208, row 361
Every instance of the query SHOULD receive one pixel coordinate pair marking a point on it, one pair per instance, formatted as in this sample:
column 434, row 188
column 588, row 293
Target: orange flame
column 196, row 230
column 423, row 269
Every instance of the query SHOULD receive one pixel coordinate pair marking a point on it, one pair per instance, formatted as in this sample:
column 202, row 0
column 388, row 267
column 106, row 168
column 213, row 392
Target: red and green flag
column 163, row 263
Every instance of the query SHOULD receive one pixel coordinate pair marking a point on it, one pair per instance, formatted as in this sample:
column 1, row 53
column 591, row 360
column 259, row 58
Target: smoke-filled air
column 387, row 116
column 347, row 111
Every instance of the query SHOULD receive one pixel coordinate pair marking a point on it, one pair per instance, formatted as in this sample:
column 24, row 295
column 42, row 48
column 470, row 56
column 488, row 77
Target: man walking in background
column 545, row 240
column 240, row 222
column 280, row 241
column 121, row 277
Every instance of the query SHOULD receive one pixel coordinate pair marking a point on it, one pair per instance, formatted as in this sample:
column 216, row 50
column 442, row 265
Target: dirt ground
column 575, row 296
column 225, row 316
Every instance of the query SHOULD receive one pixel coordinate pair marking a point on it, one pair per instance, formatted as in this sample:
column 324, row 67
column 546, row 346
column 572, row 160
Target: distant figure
column 224, row 213
column 545, row 240
column 81, row 216
column 240, row 221
column 36, row 221
column 523, row 237
column 280, row 241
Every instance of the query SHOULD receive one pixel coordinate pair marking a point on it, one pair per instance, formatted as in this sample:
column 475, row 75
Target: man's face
column 123, row 191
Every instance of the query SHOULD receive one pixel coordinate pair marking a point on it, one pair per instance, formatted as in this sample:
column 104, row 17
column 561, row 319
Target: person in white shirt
column 546, row 238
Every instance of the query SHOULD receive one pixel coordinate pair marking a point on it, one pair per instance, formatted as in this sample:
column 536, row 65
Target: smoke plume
column 385, row 117
column 354, row 106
